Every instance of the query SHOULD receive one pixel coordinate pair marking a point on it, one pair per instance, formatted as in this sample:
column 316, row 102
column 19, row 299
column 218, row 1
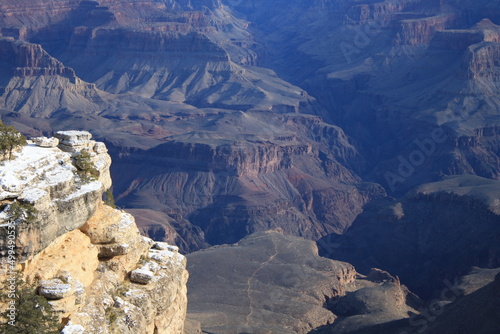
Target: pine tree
column 33, row 314
column 109, row 199
column 10, row 139
column 85, row 167
column 21, row 212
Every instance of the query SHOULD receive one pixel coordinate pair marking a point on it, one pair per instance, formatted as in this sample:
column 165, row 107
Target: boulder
column 73, row 139
column 141, row 276
column 54, row 289
column 46, row 142
column 112, row 250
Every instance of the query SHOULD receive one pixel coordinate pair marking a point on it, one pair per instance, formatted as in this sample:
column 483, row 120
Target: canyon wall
column 88, row 259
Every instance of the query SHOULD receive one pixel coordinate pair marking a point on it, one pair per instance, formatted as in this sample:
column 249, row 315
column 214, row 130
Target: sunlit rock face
column 81, row 254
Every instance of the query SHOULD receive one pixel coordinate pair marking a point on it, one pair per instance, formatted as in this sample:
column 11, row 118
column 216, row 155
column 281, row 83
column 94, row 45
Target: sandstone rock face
column 86, row 258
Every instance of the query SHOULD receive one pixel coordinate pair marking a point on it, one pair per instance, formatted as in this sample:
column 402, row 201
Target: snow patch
column 9, row 182
column 35, row 167
column 85, row 189
column 71, row 328
column 33, row 195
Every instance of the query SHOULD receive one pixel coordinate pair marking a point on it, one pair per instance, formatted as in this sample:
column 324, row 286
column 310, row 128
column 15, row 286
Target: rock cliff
column 390, row 72
column 273, row 283
column 232, row 185
column 88, row 259
column 437, row 232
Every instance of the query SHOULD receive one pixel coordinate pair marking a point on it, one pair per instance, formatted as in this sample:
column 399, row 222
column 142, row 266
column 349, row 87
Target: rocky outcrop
column 421, row 31
column 270, row 282
column 27, row 59
column 445, row 314
column 442, row 228
column 88, row 259
column 45, row 179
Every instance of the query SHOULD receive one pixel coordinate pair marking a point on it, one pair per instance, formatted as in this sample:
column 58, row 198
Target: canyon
column 235, row 125
column 227, row 136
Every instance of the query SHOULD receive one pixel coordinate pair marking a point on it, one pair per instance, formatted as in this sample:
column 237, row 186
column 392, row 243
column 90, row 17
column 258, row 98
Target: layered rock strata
column 88, row 259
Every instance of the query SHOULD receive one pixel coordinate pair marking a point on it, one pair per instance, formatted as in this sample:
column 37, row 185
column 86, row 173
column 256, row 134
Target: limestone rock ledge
column 45, row 178
column 82, row 254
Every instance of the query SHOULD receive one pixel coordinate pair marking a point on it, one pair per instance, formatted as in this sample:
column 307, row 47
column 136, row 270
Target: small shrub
column 112, row 314
column 21, row 212
column 85, row 167
column 109, row 199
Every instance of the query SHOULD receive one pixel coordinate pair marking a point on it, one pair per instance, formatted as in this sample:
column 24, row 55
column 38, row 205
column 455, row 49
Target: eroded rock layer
column 88, row 259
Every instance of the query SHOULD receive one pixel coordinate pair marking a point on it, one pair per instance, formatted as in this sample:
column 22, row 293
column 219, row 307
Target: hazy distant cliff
column 86, row 258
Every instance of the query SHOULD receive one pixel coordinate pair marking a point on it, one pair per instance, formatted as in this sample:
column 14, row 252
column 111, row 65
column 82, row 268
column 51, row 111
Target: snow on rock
column 165, row 246
column 73, row 138
column 46, row 178
column 77, row 141
column 100, row 148
column 84, row 189
column 34, row 168
column 9, row 182
column 54, row 289
column 71, row 328
column 34, row 195
column 166, row 256
column 141, row 276
column 45, row 142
